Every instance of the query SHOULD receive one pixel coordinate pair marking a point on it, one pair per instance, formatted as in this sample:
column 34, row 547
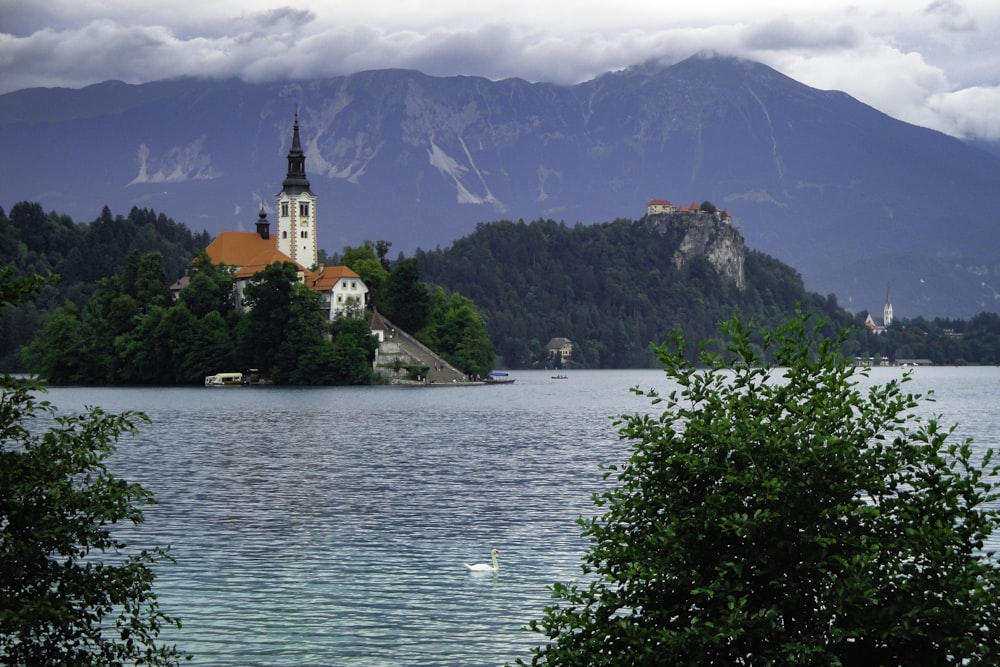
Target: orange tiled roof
column 327, row 276
column 659, row 202
column 238, row 248
column 251, row 253
column 263, row 260
column 246, row 250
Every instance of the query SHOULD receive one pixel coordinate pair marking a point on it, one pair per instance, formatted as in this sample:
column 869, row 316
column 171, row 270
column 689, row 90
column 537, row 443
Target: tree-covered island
column 508, row 287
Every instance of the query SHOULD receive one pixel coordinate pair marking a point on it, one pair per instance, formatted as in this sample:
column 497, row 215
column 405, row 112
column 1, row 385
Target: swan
column 486, row 567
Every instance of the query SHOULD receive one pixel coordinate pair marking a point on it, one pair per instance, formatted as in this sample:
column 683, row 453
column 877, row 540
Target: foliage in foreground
column 70, row 593
column 784, row 515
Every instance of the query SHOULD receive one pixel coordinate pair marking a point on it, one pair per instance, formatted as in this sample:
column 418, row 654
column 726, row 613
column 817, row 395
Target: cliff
column 705, row 235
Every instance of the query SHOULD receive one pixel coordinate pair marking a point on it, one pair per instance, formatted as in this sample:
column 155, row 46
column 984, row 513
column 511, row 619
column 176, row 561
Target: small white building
column 658, row 206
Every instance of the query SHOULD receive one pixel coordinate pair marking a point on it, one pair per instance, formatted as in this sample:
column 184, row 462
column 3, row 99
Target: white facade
column 347, row 294
column 297, row 227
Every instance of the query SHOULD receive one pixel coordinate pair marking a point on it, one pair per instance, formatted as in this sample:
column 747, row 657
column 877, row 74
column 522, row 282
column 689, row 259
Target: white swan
column 486, row 567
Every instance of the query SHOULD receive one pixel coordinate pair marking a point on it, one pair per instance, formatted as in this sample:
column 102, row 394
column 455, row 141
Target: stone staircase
column 398, row 350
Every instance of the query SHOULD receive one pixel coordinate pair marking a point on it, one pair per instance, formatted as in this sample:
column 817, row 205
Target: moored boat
column 498, row 377
column 224, row 380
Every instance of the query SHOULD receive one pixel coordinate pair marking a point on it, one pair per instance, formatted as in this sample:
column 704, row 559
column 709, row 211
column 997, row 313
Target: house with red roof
column 296, row 242
column 657, row 206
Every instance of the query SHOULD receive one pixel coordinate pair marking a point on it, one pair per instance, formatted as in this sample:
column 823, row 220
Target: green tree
column 70, row 592
column 210, row 287
column 407, row 299
column 269, row 298
column 369, row 263
column 784, row 516
column 210, row 350
column 353, row 351
column 14, row 290
column 304, row 356
column 456, row 331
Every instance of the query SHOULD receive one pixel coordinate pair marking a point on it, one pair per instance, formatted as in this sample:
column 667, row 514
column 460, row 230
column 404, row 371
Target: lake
column 329, row 526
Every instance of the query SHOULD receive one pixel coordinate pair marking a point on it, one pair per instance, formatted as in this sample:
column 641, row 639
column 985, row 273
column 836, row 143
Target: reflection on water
column 329, row 526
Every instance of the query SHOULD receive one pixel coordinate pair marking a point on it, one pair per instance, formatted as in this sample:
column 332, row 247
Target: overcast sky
column 934, row 63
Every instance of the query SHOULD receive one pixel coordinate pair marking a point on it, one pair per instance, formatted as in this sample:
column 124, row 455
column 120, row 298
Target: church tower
column 296, row 205
column 887, row 310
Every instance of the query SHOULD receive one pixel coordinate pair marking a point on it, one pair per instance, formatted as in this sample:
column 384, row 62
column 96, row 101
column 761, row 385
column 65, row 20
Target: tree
column 456, row 331
column 70, row 593
column 210, row 287
column 407, row 298
column 55, row 352
column 368, row 261
column 13, row 290
column 269, row 299
column 353, row 351
column 782, row 515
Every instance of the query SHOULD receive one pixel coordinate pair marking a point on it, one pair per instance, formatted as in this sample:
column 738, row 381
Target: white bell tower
column 296, row 206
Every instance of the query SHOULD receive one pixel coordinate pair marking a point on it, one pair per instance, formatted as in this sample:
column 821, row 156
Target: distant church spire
column 295, row 181
column 887, row 310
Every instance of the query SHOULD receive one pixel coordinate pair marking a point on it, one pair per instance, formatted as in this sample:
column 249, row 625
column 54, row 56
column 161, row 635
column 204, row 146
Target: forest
column 492, row 298
column 612, row 290
column 81, row 254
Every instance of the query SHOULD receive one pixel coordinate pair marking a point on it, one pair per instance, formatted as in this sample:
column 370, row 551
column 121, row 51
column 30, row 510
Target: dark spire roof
column 295, row 181
column 263, row 226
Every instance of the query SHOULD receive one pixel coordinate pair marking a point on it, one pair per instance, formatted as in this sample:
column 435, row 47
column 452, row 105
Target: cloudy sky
column 934, row 63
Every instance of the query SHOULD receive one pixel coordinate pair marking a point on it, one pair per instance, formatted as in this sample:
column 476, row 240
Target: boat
column 498, row 377
column 559, row 377
column 224, row 380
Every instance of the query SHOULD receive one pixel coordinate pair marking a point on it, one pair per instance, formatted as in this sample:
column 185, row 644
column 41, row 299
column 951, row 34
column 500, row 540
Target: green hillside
column 81, row 254
column 611, row 288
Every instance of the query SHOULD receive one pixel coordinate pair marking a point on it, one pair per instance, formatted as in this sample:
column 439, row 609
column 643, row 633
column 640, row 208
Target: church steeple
column 296, row 208
column 296, row 181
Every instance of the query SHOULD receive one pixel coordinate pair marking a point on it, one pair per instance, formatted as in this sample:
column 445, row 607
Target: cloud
column 784, row 34
column 917, row 63
column 971, row 112
column 952, row 16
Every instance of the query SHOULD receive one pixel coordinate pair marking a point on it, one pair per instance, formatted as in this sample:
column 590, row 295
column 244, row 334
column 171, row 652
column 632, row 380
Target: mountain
column 858, row 202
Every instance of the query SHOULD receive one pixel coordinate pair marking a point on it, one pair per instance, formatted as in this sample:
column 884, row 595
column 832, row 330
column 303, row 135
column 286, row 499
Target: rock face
column 707, row 235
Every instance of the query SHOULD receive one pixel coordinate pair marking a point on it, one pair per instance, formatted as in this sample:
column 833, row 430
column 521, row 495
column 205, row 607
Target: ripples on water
column 329, row 526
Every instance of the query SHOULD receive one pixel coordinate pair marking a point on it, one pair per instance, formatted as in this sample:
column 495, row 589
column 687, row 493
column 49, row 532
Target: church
column 296, row 240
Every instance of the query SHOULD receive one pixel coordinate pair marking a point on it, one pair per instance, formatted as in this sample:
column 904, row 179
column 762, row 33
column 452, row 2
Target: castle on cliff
column 664, row 207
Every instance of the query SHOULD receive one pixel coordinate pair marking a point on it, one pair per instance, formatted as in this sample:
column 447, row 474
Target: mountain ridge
column 854, row 200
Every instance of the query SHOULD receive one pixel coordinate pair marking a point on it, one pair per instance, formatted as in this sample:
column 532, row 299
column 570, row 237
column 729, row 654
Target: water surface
column 329, row 526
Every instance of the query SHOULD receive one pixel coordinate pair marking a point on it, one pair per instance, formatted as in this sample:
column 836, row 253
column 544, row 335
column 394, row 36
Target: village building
column 296, row 241
column 560, row 351
column 659, row 206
